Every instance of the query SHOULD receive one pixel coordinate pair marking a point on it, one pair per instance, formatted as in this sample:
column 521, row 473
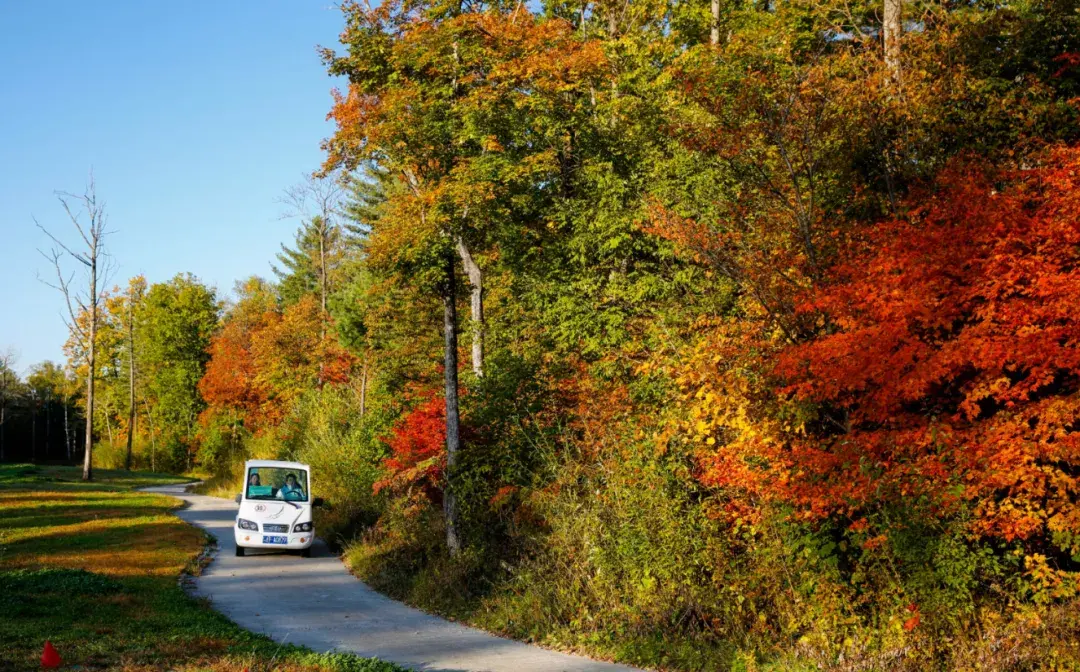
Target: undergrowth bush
column 145, row 456
column 345, row 451
column 622, row 553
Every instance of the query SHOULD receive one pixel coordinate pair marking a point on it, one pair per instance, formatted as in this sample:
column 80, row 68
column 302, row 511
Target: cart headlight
column 246, row 524
column 302, row 527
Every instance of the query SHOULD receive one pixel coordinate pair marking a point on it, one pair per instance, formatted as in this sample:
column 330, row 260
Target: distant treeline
column 40, row 420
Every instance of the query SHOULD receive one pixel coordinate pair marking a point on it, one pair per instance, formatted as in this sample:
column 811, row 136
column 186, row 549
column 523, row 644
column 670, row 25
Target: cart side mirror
column 318, row 502
column 239, row 497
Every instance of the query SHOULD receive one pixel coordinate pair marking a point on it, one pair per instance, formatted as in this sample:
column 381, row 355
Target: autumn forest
column 689, row 334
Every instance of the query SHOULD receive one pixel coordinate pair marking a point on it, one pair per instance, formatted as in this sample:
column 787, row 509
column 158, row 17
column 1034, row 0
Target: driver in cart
column 291, row 489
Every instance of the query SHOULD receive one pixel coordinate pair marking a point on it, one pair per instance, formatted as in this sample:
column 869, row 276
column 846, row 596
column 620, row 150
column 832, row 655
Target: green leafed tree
column 176, row 322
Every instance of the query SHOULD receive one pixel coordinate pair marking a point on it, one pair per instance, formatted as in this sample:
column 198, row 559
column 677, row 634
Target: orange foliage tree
column 228, row 386
column 263, row 359
column 946, row 373
column 954, row 362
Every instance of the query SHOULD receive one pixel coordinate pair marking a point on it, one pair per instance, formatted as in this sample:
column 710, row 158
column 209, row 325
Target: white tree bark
column 714, row 32
column 892, row 27
column 476, row 296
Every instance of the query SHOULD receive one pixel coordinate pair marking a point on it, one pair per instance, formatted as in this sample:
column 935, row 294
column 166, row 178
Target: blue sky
column 194, row 116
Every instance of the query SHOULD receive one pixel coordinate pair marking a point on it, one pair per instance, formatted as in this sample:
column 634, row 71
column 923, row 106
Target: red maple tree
column 950, row 364
column 417, row 459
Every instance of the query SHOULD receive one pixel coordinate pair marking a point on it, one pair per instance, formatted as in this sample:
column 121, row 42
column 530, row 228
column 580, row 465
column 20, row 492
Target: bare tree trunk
column 453, row 433
column 476, row 282
column 325, row 195
column 92, row 234
column 108, row 427
column 153, row 440
column 67, row 432
column 232, row 439
column 88, row 456
column 323, row 230
column 363, row 387
column 714, row 31
column 187, row 435
column 131, row 380
column 892, row 27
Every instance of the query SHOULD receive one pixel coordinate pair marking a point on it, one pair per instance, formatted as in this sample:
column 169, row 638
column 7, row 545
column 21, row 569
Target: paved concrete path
column 316, row 602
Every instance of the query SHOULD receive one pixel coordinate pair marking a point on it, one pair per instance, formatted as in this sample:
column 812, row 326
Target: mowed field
column 97, row 569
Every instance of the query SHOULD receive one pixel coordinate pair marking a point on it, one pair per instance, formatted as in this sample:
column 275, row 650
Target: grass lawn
column 94, row 569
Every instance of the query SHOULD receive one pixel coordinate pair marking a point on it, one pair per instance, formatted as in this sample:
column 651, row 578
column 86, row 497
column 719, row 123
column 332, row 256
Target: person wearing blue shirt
column 291, row 490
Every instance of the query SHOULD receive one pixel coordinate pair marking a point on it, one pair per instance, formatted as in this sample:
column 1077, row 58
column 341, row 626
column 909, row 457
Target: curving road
column 317, row 603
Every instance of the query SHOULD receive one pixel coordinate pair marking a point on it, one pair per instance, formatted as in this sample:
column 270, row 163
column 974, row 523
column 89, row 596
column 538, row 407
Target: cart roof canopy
column 275, row 463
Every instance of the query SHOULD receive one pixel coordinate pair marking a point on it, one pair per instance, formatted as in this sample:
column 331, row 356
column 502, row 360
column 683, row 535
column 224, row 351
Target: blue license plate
column 275, row 540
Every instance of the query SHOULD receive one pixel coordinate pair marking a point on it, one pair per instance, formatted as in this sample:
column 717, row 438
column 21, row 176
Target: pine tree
column 301, row 271
column 367, row 192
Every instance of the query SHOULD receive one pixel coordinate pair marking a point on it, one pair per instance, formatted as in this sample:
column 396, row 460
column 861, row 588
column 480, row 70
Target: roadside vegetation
column 96, row 568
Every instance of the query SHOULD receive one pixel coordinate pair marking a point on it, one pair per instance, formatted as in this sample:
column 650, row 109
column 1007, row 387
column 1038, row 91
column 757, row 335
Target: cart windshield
column 277, row 483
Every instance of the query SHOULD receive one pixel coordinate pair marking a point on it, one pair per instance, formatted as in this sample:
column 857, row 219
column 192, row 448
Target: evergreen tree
column 367, row 192
column 318, row 243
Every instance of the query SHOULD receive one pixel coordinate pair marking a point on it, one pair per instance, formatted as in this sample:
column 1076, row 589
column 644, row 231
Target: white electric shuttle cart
column 275, row 508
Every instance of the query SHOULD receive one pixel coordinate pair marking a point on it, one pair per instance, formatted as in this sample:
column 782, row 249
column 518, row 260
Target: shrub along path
column 317, row 603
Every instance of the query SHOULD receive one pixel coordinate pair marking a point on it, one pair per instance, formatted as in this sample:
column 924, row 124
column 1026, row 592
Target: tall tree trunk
column 323, row 232
column 363, row 387
column 92, row 299
column 131, row 380
column 714, row 31
column 322, row 298
column 892, row 27
column 187, row 435
column 3, row 414
column 153, row 439
column 93, row 234
column 67, row 432
column 453, row 424
column 476, row 282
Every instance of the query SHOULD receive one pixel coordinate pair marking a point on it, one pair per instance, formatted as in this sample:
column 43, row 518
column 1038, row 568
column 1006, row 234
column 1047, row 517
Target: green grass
column 94, row 568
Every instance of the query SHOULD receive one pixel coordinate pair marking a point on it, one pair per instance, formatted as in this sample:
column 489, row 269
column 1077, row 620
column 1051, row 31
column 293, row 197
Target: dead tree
column 319, row 200
column 91, row 254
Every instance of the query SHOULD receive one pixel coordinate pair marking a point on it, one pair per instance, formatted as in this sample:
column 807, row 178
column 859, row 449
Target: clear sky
column 194, row 116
